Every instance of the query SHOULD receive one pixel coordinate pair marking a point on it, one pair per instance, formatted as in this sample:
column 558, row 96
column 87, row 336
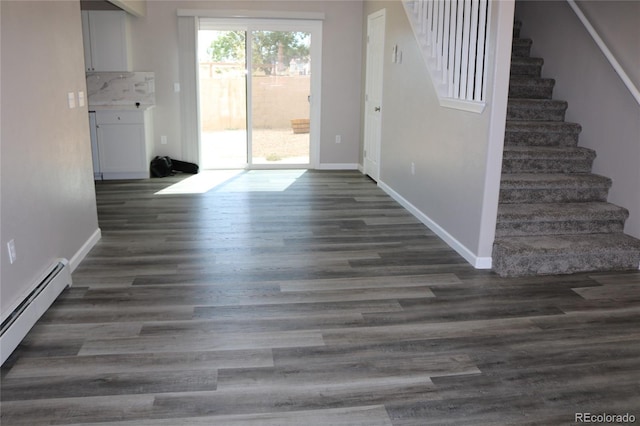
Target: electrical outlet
column 413, row 168
column 11, row 248
column 163, row 139
column 338, row 138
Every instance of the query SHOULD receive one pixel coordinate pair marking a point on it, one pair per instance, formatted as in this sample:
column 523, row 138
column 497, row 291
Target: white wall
column 598, row 99
column 457, row 157
column 155, row 48
column 48, row 203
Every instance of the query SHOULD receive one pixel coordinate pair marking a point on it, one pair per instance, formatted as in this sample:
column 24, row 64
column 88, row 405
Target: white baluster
column 473, row 42
column 481, row 80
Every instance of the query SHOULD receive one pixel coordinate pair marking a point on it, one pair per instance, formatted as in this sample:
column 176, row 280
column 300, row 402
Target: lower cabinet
column 124, row 142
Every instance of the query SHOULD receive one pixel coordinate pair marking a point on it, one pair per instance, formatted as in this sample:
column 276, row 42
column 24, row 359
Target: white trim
column 476, row 261
column 85, row 249
column 339, row 166
column 188, row 71
column 500, row 38
column 251, row 14
column 605, row 50
column 461, row 104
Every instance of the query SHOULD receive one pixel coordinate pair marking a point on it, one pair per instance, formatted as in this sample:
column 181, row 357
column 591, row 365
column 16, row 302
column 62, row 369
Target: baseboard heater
column 20, row 320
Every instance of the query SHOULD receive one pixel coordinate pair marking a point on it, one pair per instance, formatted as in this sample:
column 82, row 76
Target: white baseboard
column 476, row 261
column 85, row 249
column 338, row 166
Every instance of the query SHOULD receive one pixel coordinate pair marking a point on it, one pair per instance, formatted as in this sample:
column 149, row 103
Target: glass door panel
column 280, row 90
column 223, row 99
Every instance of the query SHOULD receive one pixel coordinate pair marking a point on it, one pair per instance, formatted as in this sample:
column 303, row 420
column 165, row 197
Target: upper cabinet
column 105, row 38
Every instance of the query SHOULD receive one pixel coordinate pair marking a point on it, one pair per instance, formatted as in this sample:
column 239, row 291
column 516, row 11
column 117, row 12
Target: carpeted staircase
column 553, row 216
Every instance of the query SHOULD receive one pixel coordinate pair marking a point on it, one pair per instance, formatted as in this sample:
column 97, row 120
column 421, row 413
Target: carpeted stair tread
column 548, row 152
column 565, row 254
column 557, row 180
column 526, row 87
column 561, row 211
column 526, row 66
column 553, row 188
column 559, row 218
column 541, row 133
column 536, row 109
column 541, row 159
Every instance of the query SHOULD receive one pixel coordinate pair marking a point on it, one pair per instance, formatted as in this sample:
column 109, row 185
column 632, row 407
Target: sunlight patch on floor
column 201, row 183
column 234, row 181
column 262, row 181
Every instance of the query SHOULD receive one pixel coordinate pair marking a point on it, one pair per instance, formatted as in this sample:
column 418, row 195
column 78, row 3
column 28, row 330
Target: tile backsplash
column 121, row 88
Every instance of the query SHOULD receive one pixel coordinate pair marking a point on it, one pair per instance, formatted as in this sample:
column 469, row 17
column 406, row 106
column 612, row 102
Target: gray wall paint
column 155, row 48
column 47, row 192
column 598, row 100
column 457, row 165
column 618, row 24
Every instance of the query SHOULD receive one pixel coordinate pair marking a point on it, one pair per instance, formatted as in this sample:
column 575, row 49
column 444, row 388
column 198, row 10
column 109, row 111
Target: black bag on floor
column 184, row 166
column 161, row 166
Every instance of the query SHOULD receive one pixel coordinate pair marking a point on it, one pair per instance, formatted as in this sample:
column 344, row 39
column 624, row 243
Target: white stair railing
column 452, row 35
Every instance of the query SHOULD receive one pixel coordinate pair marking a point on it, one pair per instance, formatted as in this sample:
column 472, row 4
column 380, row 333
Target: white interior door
column 373, row 95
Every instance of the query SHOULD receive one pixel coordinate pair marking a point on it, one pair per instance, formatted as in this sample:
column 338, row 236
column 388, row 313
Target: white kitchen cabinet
column 105, row 39
column 124, row 140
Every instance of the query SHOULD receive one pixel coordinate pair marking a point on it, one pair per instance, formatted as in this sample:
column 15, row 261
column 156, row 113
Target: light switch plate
column 81, row 98
column 71, row 98
column 11, row 248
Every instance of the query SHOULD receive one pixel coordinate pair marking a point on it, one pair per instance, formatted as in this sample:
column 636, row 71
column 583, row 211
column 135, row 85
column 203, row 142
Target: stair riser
column 516, row 29
column 552, row 195
column 512, row 266
column 526, row 70
column 515, row 229
column 546, row 166
column 518, row 138
column 541, row 91
column 517, row 112
column 521, row 50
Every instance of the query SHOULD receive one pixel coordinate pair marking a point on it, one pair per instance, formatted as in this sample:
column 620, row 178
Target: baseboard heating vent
column 19, row 321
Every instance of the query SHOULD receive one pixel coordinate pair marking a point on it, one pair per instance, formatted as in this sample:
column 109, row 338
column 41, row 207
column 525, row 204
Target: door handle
column 376, row 109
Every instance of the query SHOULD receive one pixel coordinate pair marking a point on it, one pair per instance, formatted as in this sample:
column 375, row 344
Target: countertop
column 131, row 107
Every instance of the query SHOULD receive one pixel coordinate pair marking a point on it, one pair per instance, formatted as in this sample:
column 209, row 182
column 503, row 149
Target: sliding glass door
column 223, row 99
column 256, row 80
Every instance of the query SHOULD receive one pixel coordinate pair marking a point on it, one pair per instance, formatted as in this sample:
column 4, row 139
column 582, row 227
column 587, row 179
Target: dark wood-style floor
column 278, row 299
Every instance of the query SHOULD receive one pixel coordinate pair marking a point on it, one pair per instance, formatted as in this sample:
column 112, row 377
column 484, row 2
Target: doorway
column 258, row 93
